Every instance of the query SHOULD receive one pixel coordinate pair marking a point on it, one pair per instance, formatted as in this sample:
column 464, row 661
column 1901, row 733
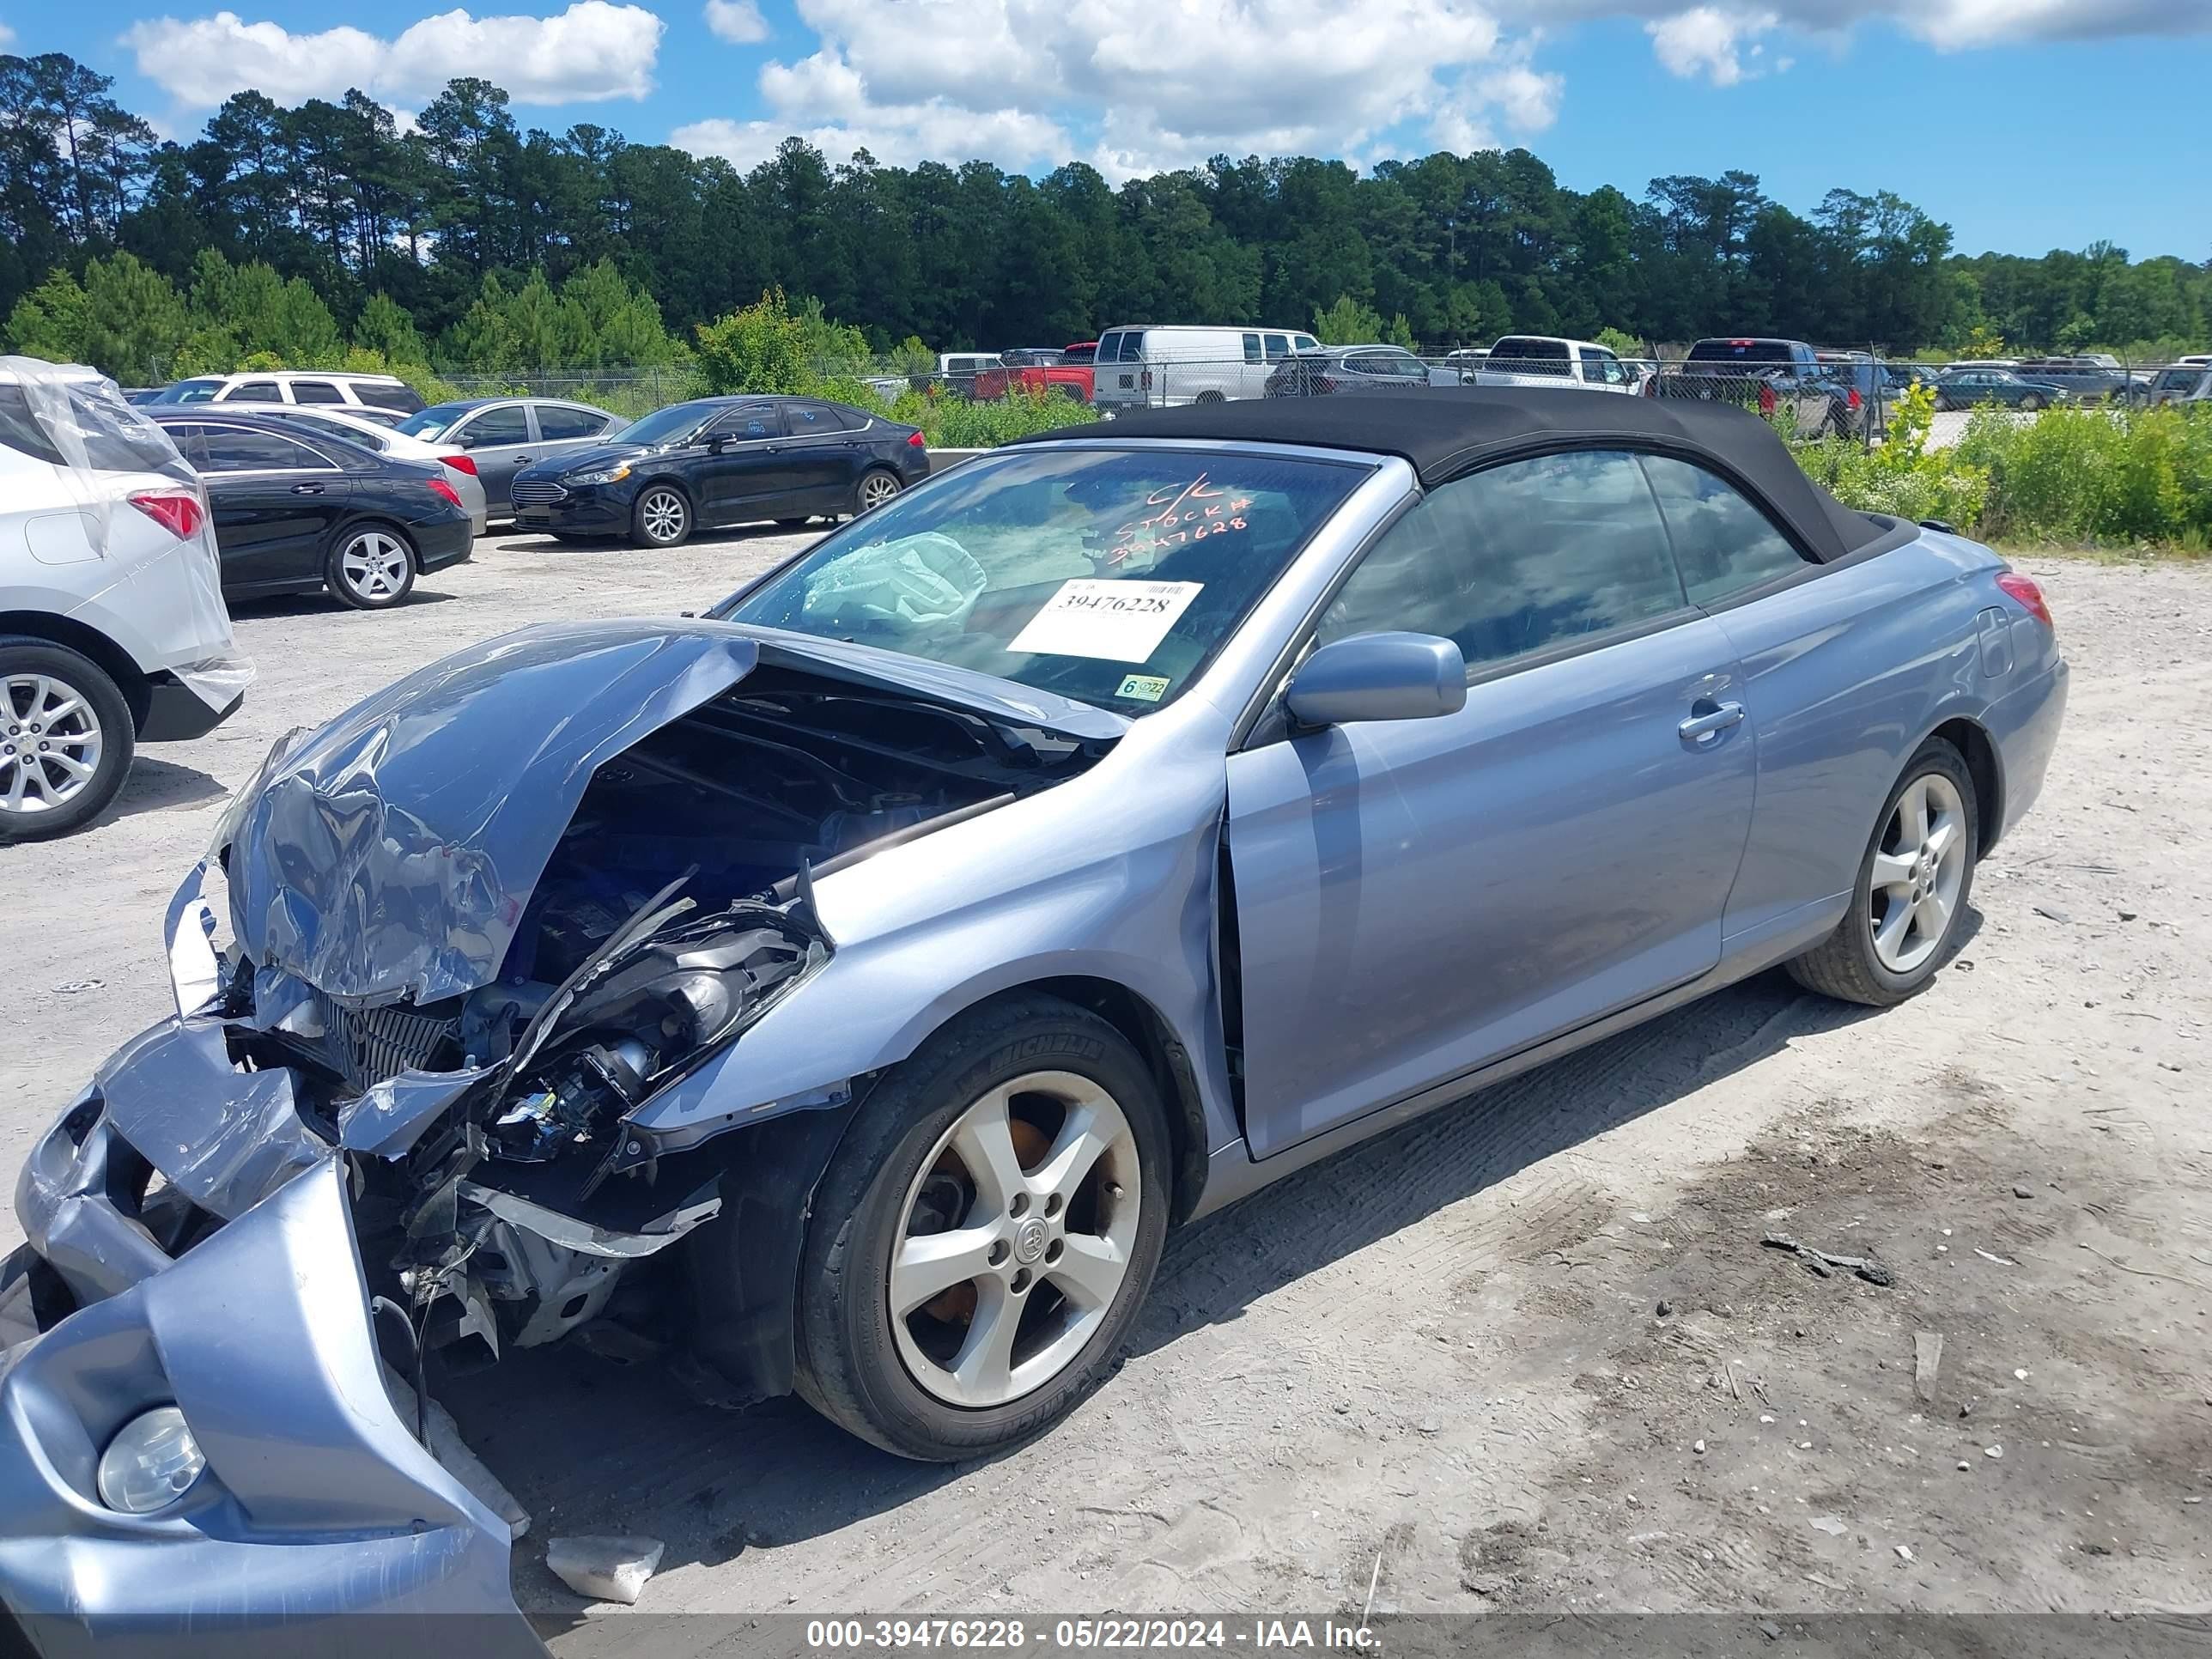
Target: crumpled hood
column 390, row 852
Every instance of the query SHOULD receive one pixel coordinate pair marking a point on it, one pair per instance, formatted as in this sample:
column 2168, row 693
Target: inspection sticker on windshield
column 1115, row 621
column 1144, row 688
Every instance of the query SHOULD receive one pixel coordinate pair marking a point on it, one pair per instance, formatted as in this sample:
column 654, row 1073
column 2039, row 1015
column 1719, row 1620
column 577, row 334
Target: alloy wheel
column 876, row 488
column 1015, row 1237
column 662, row 513
column 374, row 565
column 51, row 743
column 1918, row 871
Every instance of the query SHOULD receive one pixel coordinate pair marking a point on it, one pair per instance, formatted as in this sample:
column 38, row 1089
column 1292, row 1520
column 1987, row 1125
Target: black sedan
column 296, row 511
column 720, row 461
column 1970, row 388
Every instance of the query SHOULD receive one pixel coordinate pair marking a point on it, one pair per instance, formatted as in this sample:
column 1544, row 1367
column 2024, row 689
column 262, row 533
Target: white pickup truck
column 1544, row 360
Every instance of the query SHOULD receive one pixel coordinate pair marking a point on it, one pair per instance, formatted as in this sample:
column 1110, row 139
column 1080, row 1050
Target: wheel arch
column 1165, row 1056
column 88, row 642
column 1986, row 768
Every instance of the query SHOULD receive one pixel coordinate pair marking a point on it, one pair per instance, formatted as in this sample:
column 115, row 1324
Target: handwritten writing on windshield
column 1183, row 514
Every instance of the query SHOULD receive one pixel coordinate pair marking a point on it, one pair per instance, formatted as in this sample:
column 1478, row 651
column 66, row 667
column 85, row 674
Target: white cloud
column 738, row 21
column 594, row 50
column 1707, row 41
column 7, row 36
column 1155, row 83
column 1709, row 38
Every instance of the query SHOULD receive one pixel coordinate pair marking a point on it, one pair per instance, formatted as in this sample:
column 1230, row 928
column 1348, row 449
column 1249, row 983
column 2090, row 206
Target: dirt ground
column 1528, row 1354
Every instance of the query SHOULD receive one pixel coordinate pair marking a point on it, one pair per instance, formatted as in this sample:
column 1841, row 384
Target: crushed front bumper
column 317, row 1503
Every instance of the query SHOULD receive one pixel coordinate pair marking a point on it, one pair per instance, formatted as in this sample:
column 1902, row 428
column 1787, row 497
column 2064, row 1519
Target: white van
column 1151, row 366
column 115, row 631
column 383, row 396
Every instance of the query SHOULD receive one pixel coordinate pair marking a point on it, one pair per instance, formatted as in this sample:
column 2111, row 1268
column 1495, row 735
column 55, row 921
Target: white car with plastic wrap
column 113, row 627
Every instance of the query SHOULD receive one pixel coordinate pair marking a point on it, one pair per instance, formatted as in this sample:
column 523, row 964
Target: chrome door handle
column 1698, row 727
column 522, row 460
column 306, row 489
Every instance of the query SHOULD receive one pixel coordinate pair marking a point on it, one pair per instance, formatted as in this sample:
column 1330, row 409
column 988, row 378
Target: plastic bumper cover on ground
column 316, row 1504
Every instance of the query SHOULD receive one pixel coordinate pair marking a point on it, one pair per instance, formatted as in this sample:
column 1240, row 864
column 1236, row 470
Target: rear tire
column 43, row 739
column 930, row 1387
column 371, row 567
column 2031, row 404
column 877, row 485
column 1901, row 865
column 1209, row 397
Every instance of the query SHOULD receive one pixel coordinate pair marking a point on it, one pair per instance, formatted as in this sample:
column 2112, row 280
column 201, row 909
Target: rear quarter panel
column 1845, row 674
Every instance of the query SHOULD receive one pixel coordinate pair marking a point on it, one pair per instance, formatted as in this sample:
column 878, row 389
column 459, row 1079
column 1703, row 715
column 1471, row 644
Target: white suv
column 384, row 396
column 113, row 627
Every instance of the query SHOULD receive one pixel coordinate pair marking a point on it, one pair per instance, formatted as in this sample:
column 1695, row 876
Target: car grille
column 365, row 1046
column 536, row 492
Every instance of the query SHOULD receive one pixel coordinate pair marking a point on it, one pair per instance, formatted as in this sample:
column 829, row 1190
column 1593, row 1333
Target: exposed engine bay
column 500, row 1196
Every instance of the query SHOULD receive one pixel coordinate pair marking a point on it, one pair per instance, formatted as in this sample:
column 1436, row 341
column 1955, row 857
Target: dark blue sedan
column 714, row 462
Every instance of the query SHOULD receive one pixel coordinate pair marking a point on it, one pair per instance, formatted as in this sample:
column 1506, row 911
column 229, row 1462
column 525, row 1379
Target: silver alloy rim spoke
column 664, row 516
column 1016, row 1239
column 1919, row 870
column 51, row 743
column 878, row 491
column 374, row 564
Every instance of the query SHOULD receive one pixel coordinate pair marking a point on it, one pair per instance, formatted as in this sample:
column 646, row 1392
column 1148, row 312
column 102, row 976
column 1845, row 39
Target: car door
column 275, row 501
column 561, row 427
column 498, row 439
column 1415, row 900
column 823, row 459
column 742, row 468
column 1835, row 664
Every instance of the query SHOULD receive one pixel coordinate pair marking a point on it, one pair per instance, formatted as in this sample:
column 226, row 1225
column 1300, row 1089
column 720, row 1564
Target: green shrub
column 2140, row 477
column 1902, row 477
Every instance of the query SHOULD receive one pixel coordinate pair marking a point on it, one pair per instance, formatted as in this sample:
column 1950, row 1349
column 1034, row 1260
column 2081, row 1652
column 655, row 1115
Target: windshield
column 1109, row 576
column 187, row 392
column 664, row 425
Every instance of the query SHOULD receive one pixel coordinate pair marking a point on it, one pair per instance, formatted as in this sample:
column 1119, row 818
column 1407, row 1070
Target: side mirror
column 717, row 442
column 1378, row 677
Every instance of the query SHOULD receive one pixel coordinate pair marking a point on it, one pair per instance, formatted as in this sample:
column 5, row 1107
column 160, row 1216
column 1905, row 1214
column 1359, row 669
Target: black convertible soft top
column 1445, row 431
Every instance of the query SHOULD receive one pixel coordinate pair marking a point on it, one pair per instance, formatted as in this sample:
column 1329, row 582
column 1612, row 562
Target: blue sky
column 2025, row 124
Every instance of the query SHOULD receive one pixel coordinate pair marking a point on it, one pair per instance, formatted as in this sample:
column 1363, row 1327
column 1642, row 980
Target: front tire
column 662, row 517
column 1910, row 900
column 985, row 1234
column 371, row 567
column 66, row 738
column 2031, row 404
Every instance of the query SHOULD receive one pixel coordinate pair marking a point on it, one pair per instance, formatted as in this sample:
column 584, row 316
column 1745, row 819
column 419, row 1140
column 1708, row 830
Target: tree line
column 468, row 242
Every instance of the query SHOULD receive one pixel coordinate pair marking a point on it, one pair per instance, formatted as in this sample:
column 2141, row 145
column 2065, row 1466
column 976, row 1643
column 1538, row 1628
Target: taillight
column 180, row 512
column 1766, row 400
column 2030, row 596
column 915, row 441
column 440, row 487
column 461, row 464
column 1144, row 380
column 1854, row 397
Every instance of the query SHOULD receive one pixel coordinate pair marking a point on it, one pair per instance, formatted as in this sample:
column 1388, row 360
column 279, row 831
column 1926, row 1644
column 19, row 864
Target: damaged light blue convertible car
column 851, row 987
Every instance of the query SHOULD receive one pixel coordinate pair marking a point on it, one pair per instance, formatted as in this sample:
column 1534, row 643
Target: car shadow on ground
column 508, row 539
column 322, row 604
column 157, row 785
column 591, row 1446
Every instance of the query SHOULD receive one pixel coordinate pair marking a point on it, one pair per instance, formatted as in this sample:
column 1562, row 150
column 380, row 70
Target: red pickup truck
column 1039, row 368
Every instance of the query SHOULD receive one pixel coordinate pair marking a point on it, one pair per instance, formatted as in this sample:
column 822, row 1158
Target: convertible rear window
column 1107, row 575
